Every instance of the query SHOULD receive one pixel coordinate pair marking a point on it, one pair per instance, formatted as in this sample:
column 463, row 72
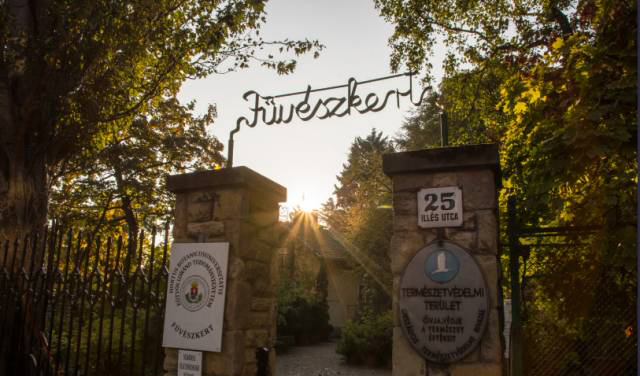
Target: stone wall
column 239, row 206
column 342, row 294
column 475, row 169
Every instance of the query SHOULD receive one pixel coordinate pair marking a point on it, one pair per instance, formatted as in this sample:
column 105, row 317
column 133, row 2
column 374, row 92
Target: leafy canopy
column 554, row 82
column 92, row 97
column 88, row 64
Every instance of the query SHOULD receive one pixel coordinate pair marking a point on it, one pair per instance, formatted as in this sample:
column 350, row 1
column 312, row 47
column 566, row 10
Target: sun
column 306, row 202
column 308, row 206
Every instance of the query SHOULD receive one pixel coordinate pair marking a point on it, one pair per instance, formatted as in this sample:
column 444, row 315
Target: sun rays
column 304, row 226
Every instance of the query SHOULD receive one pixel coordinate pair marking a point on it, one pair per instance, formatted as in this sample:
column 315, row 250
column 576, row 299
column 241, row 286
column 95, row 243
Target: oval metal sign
column 443, row 302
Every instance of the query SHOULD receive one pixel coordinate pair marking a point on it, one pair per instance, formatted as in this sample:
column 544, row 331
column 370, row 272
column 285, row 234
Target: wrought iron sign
column 268, row 110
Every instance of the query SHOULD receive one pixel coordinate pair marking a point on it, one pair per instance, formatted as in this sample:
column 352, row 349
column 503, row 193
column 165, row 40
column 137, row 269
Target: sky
column 306, row 157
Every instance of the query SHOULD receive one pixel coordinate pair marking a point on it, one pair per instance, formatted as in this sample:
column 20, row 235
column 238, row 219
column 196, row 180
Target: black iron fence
column 75, row 305
column 573, row 305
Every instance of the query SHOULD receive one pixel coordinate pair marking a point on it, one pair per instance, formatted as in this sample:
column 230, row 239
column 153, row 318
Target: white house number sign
column 440, row 207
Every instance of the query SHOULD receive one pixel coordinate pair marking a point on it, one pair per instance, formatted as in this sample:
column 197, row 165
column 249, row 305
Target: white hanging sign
column 189, row 363
column 440, row 207
column 196, row 288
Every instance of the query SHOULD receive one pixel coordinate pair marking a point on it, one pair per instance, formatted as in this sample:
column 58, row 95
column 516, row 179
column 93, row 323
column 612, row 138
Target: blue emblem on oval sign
column 441, row 266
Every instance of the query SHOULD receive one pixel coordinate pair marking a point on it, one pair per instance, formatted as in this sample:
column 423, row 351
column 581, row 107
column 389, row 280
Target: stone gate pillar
column 238, row 206
column 475, row 171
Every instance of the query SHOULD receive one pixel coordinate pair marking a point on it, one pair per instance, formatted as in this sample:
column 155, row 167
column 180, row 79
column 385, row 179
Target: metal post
column 514, row 266
column 444, row 129
column 230, row 152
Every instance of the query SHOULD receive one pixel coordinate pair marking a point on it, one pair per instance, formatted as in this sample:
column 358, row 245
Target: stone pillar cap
column 227, row 177
column 443, row 159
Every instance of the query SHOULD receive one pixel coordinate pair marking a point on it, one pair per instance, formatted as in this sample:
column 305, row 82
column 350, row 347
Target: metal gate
column 570, row 316
column 71, row 304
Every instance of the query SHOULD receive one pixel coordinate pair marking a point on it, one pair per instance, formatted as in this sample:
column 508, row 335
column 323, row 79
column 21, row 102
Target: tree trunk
column 23, row 201
column 23, row 158
column 23, row 144
column 24, row 186
column 23, row 190
column 129, row 214
column 23, row 209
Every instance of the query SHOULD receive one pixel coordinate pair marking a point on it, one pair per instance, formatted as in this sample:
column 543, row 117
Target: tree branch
column 102, row 216
column 562, row 20
column 457, row 29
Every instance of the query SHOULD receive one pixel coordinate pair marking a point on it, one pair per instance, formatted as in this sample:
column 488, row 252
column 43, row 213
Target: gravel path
column 320, row 360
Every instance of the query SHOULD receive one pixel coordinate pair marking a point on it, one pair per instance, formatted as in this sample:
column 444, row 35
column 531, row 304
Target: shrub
column 368, row 340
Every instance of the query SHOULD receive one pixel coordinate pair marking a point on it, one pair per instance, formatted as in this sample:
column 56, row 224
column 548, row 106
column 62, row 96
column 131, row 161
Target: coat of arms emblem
column 195, row 291
column 193, row 296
